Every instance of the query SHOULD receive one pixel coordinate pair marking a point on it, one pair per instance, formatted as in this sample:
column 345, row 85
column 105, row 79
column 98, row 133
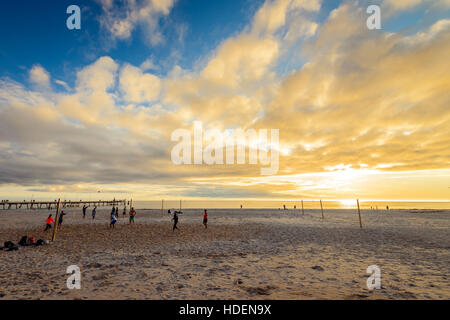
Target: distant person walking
column 175, row 221
column 49, row 222
column 124, row 213
column 132, row 215
column 205, row 219
column 113, row 211
column 117, row 212
column 84, row 211
column 94, row 212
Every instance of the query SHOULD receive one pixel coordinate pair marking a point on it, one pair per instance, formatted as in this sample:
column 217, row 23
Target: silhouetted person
column 84, row 211
column 175, row 221
column 61, row 218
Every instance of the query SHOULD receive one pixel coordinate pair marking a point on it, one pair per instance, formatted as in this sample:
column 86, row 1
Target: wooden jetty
column 9, row 205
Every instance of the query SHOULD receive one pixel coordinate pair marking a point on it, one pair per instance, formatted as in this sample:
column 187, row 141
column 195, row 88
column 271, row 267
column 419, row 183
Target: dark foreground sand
column 242, row 255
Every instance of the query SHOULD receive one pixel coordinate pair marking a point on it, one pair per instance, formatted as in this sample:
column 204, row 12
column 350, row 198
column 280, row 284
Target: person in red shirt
column 49, row 222
column 205, row 219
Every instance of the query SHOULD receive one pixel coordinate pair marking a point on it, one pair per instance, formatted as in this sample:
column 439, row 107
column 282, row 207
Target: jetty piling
column 359, row 214
column 40, row 205
column 321, row 208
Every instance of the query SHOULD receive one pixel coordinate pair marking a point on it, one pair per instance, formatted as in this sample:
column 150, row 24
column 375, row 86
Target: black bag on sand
column 40, row 242
column 23, row 241
column 8, row 244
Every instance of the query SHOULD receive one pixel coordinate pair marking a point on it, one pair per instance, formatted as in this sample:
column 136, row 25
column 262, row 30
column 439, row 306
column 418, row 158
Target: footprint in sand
column 141, row 275
column 317, row 268
column 263, row 291
column 101, row 276
column 94, row 265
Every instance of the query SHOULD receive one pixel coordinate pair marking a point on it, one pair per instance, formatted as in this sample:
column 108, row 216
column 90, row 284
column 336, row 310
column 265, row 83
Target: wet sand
column 244, row 254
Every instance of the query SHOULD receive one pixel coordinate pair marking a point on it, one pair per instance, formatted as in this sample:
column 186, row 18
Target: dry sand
column 244, row 254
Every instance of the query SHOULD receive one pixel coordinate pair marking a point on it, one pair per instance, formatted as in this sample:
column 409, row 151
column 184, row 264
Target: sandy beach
column 244, row 254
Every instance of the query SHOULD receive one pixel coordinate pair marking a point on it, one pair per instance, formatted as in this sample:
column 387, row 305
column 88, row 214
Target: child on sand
column 132, row 215
column 94, row 212
column 49, row 222
column 205, row 219
column 113, row 221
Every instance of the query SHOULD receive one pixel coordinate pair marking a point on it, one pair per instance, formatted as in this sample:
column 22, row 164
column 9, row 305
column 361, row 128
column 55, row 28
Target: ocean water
column 308, row 204
column 288, row 204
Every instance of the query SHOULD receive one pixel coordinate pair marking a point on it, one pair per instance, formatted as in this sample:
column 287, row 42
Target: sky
column 361, row 113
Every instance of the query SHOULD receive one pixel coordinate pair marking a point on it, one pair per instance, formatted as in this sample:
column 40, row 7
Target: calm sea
column 272, row 204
